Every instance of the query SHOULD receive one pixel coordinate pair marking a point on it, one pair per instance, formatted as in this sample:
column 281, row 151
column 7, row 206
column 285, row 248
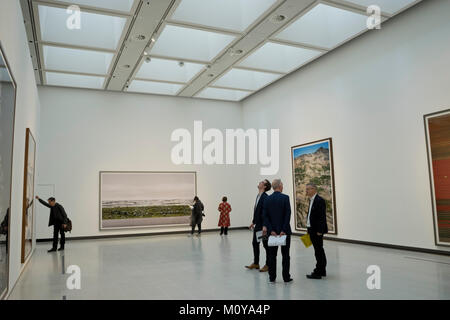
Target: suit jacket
column 277, row 213
column 58, row 215
column 318, row 215
column 258, row 212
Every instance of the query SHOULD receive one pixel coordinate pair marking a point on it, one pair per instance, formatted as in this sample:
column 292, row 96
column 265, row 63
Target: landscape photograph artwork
column 438, row 146
column 146, row 199
column 313, row 163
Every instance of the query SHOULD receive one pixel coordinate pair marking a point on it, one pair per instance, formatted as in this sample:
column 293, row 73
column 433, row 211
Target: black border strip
column 385, row 245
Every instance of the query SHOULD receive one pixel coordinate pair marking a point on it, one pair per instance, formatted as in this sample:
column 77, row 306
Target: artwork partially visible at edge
column 28, row 195
column 146, row 199
column 313, row 163
column 8, row 94
column 437, row 127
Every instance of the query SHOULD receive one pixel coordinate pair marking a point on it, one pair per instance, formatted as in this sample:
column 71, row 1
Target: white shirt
column 308, row 224
column 257, row 200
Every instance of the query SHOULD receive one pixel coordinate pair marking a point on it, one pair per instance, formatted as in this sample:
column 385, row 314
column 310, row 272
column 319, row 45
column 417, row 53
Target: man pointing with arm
column 57, row 219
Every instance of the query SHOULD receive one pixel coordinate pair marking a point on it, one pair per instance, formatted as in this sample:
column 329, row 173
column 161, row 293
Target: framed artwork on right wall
column 437, row 131
column 313, row 163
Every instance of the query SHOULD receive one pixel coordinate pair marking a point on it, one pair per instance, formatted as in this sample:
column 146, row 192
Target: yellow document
column 306, row 240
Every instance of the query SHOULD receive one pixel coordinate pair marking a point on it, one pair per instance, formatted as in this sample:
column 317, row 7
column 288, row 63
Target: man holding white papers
column 276, row 222
column 257, row 224
column 317, row 226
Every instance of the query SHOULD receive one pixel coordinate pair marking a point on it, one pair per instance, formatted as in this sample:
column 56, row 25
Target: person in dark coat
column 4, row 228
column 57, row 219
column 276, row 222
column 257, row 225
column 197, row 215
column 316, row 223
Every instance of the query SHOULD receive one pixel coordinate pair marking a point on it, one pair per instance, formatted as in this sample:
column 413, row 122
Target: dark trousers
column 272, row 260
column 58, row 228
column 319, row 252
column 199, row 226
column 223, row 230
column 256, row 251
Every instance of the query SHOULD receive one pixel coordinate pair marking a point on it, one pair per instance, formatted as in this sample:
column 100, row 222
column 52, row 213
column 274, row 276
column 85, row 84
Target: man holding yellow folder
column 317, row 226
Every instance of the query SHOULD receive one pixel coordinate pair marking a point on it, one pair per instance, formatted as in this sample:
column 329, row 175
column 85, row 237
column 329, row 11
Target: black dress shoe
column 323, row 274
column 61, row 249
column 314, row 276
column 289, row 280
column 52, row 250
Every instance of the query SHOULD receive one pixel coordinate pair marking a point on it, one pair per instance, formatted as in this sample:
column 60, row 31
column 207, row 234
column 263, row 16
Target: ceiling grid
column 211, row 49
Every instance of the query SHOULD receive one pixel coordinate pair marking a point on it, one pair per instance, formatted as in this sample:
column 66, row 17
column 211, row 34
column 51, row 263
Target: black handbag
column 68, row 226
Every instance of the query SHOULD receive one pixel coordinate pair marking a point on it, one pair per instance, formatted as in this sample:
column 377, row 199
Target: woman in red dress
column 224, row 219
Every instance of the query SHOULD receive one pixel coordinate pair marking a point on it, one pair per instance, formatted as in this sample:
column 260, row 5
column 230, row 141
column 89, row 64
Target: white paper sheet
column 259, row 235
column 275, row 241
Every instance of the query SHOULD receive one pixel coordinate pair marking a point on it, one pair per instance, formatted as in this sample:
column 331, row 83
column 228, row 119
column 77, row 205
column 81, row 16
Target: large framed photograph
column 146, row 199
column 8, row 94
column 437, row 130
column 28, row 195
column 313, row 163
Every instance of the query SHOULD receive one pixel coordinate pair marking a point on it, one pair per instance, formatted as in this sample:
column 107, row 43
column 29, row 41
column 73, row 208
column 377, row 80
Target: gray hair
column 312, row 185
column 276, row 184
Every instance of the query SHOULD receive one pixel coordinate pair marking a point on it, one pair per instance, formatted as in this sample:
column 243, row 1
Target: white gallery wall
column 370, row 97
column 14, row 42
column 86, row 132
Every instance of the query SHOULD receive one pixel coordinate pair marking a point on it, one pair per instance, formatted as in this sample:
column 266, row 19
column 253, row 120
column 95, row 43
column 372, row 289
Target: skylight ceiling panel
column 388, row 6
column 236, row 15
column 96, row 30
column 246, row 79
column 223, row 94
column 76, row 60
column 154, row 87
column 169, row 70
column 325, row 26
column 277, row 57
column 117, row 5
column 189, row 43
column 74, row 80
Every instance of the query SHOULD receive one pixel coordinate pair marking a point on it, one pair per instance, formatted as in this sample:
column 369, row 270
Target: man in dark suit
column 257, row 225
column 316, row 224
column 57, row 219
column 276, row 222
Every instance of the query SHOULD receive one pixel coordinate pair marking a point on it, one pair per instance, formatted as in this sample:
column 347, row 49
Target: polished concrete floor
column 212, row 267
